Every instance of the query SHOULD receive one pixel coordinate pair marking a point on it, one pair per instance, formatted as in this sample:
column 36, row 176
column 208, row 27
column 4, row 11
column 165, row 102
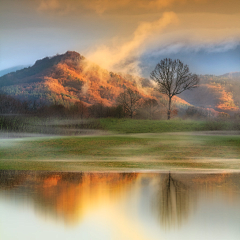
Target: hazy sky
column 123, row 34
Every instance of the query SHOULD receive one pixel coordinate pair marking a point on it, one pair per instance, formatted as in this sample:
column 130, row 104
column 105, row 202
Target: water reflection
column 66, row 195
column 120, row 205
column 172, row 202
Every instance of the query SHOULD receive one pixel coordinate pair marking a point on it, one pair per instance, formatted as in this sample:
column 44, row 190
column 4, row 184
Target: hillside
column 220, row 93
column 12, row 69
column 65, row 79
column 232, row 75
column 70, row 78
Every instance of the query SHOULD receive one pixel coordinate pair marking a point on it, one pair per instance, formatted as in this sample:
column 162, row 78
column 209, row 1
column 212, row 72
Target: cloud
column 123, row 56
column 211, row 33
column 117, row 7
column 159, row 4
column 98, row 6
column 224, row 46
column 54, row 6
column 208, row 40
column 48, row 5
column 101, row 6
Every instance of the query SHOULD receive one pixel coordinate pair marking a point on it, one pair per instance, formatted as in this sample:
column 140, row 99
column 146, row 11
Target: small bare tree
column 173, row 77
column 129, row 101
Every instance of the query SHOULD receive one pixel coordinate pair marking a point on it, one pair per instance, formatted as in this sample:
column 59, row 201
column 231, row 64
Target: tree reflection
column 172, row 203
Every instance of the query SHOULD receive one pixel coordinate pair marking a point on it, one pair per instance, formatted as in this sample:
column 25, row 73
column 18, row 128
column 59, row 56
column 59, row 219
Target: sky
column 123, row 35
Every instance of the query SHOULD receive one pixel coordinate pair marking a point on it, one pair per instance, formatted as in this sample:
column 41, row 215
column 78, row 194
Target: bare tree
column 173, row 77
column 129, row 101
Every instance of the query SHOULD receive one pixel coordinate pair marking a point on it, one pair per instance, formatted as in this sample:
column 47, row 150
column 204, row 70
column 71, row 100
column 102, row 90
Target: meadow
column 120, row 144
column 61, row 126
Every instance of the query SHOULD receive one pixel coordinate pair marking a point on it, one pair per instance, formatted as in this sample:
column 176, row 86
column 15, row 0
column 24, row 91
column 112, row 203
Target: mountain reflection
column 67, row 196
column 70, row 197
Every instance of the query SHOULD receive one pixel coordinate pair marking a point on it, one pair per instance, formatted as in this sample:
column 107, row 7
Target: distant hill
column 231, row 75
column 218, row 92
column 12, row 69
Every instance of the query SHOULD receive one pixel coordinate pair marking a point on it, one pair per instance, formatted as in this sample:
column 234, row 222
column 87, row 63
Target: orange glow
column 51, row 181
column 226, row 101
column 72, row 200
column 97, row 84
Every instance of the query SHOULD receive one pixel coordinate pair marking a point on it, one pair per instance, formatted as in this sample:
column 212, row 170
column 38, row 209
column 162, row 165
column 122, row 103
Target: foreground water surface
column 118, row 205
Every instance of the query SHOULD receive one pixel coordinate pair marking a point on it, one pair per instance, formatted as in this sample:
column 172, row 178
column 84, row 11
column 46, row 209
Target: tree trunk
column 131, row 113
column 169, row 108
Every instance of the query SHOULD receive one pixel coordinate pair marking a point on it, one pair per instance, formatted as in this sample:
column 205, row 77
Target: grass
column 130, row 144
column 65, row 126
column 160, row 126
column 121, row 152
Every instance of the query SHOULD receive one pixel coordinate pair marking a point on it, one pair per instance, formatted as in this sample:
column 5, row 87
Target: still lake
column 37, row 205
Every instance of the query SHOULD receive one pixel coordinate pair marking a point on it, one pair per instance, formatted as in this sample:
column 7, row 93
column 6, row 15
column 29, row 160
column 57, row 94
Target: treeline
column 99, row 110
column 10, row 105
column 129, row 104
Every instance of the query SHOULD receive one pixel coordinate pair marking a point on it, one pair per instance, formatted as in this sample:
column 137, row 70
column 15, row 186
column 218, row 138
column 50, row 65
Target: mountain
column 63, row 79
column 232, row 75
column 218, row 92
column 69, row 78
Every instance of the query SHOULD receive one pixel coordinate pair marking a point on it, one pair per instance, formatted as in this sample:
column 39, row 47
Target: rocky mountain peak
column 70, row 58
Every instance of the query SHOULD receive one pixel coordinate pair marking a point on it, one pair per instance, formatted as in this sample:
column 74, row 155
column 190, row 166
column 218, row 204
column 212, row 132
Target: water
column 119, row 206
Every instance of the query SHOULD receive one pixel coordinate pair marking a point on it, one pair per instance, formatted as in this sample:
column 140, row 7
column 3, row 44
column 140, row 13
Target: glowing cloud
column 125, row 54
column 102, row 6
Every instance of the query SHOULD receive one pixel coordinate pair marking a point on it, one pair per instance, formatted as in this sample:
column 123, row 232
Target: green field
column 166, row 145
column 156, row 126
column 63, row 126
